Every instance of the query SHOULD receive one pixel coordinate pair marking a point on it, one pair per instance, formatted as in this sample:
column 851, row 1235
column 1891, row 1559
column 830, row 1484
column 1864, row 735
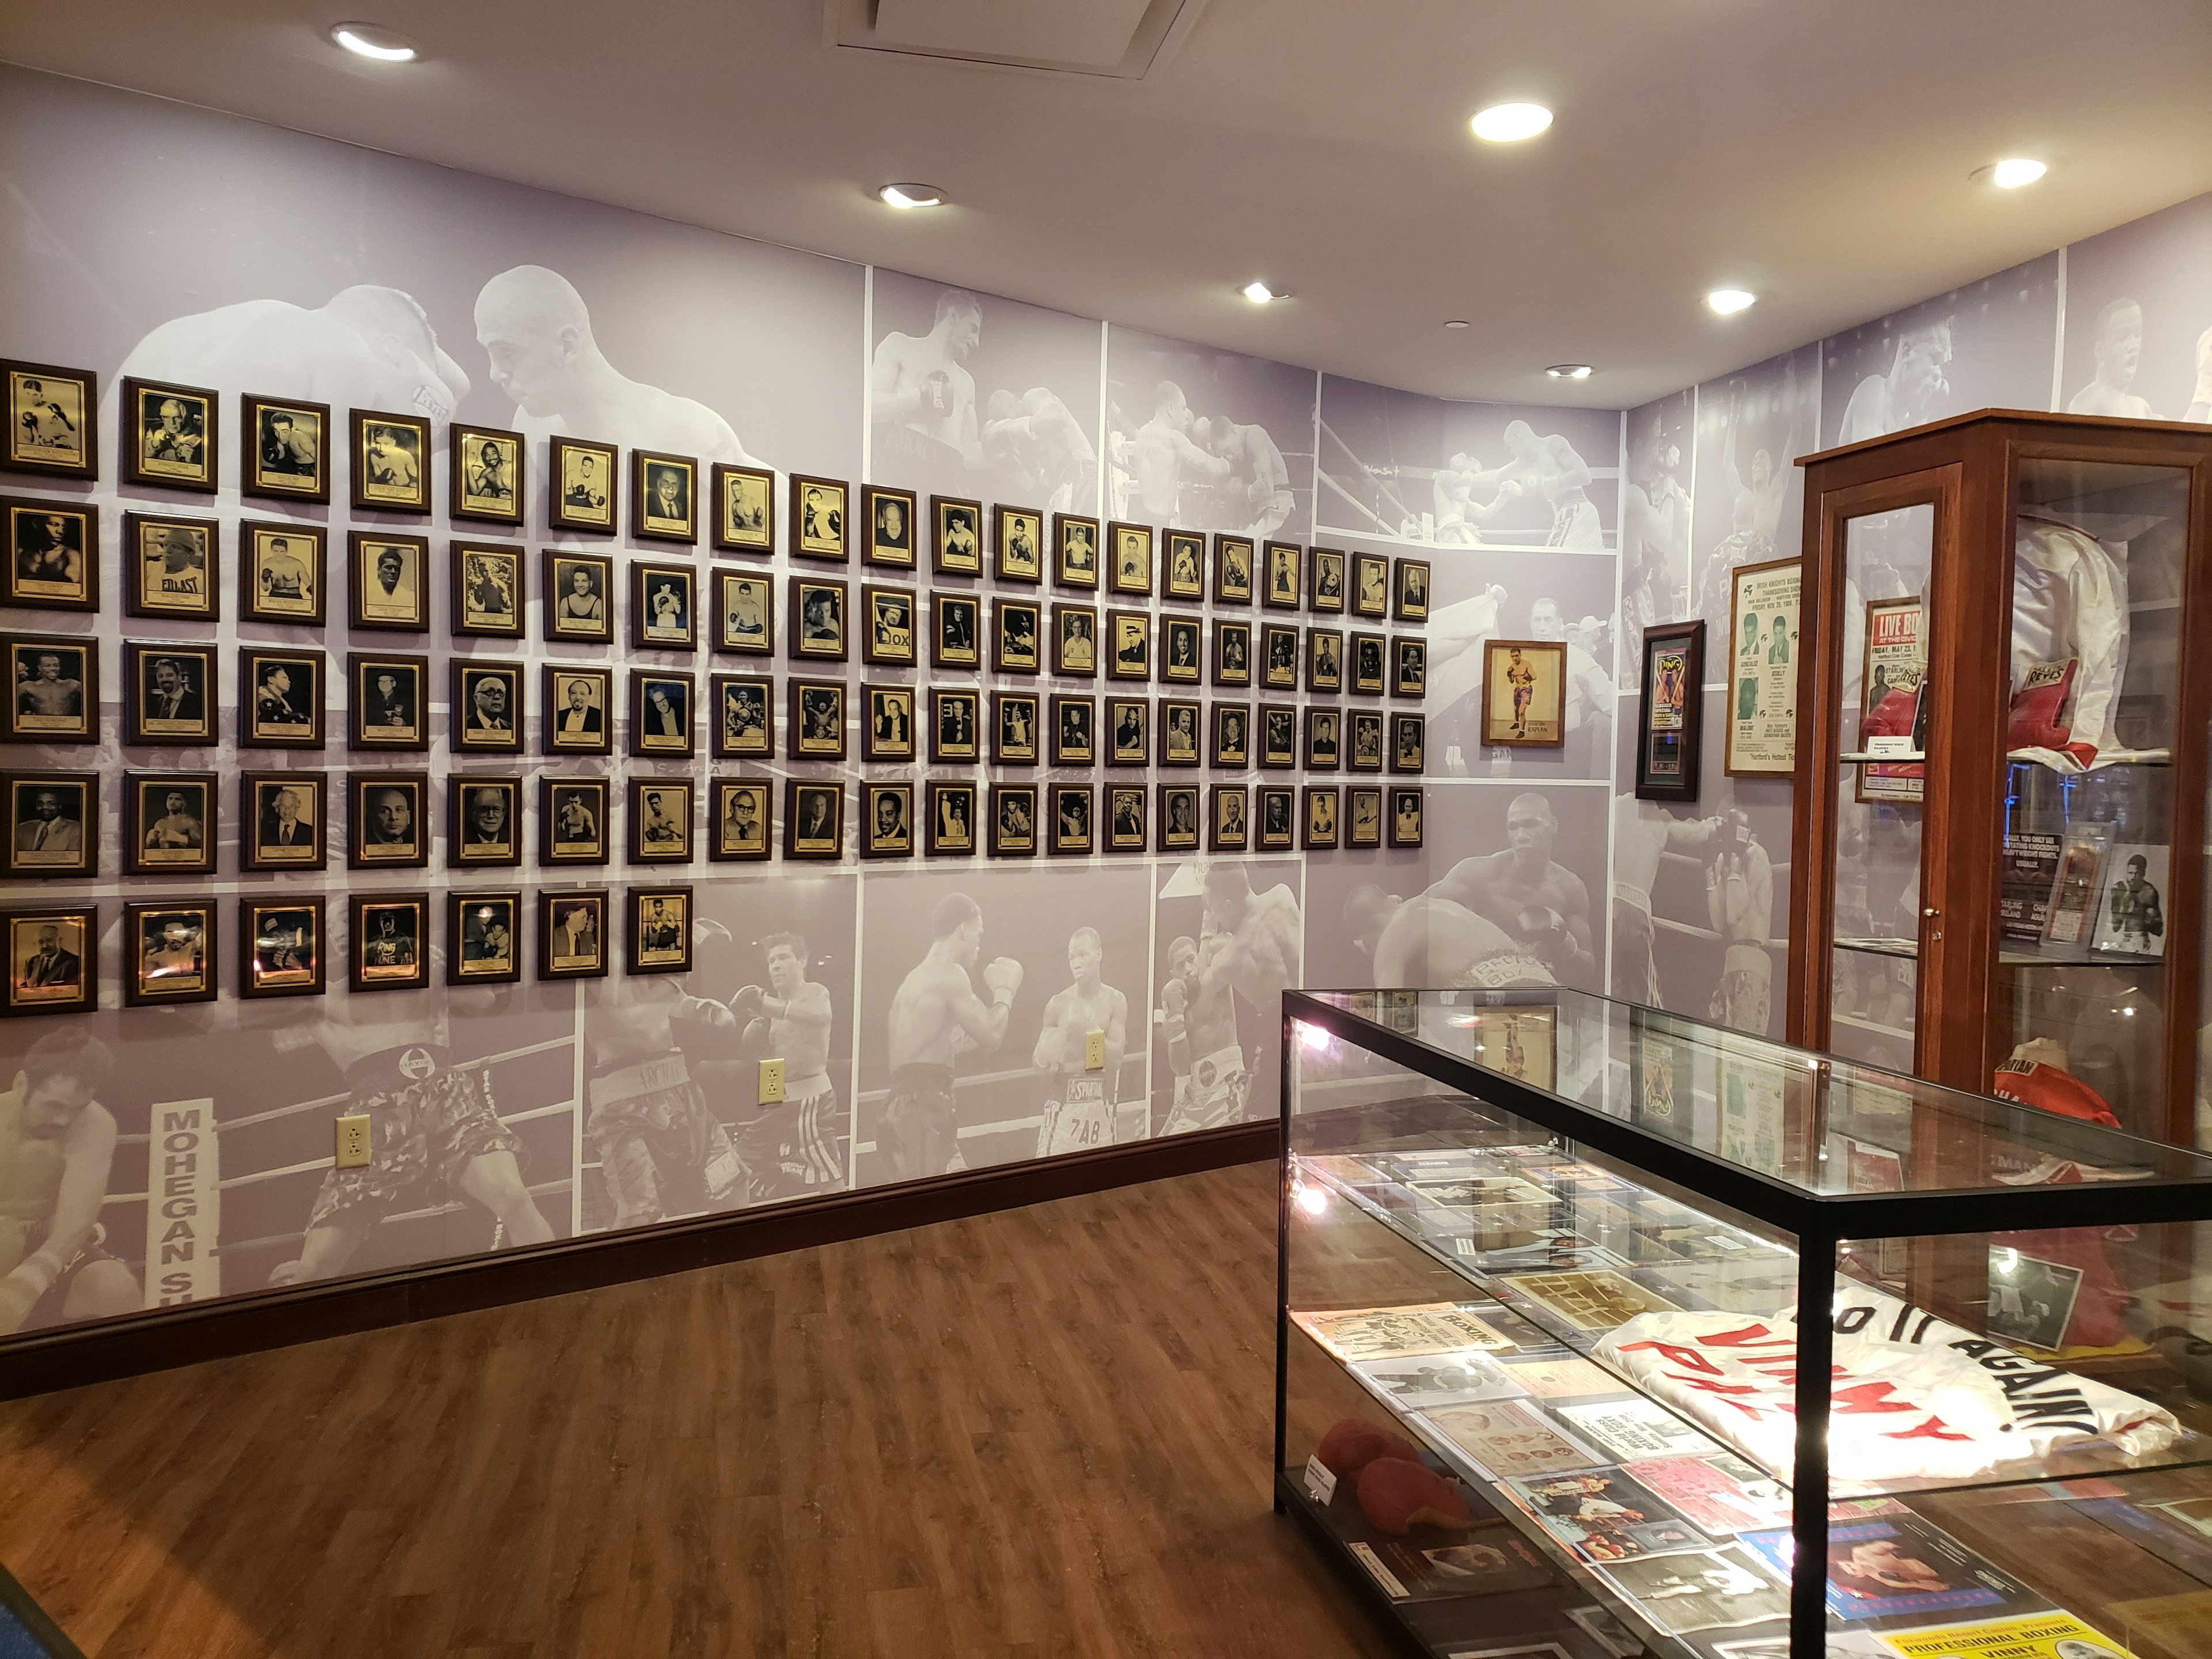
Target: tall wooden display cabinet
column 2005, row 652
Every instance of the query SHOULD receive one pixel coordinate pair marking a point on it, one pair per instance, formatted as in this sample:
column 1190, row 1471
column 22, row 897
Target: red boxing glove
column 1396, row 1495
column 1350, row 1445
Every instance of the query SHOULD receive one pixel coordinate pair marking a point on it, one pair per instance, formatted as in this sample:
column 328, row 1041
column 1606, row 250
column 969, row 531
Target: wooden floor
column 1043, row 1432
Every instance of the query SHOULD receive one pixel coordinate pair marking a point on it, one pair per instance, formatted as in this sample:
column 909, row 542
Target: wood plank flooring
column 1043, row 1433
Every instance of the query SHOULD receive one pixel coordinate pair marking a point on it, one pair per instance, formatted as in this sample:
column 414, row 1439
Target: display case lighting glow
column 1260, row 294
column 1313, row 1199
column 908, row 196
column 1511, row 124
column 1726, row 301
column 369, row 41
column 2016, row 171
column 1313, row 1036
column 1570, row 371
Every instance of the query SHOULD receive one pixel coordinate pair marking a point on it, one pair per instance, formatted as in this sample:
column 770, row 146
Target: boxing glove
column 1395, row 1496
column 1004, row 977
column 1350, row 1445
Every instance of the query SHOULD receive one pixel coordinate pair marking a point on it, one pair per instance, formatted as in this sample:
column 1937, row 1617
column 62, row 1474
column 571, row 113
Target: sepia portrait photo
column 958, row 627
column 282, row 816
column 1232, row 570
column 1182, row 660
column 1018, row 535
column 1130, row 634
column 740, row 810
column 887, row 820
column 745, row 715
column 1069, row 816
column 1131, row 549
column 389, row 697
column 660, row 713
column 483, row 938
column 574, row 715
column 50, row 966
column 1075, row 640
column 1013, row 820
column 955, row 724
column 664, row 494
column 744, row 611
column 578, row 607
column 1075, row 550
column 1126, row 826
column 168, row 823
column 572, row 815
column 1408, row 742
column 280, row 697
column 288, row 460
column 1525, row 693
column 53, row 554
column 53, row 823
column 171, row 694
column 1228, row 828
column 745, row 521
column 1278, row 736
column 660, row 820
column 488, row 467
column 1368, row 674
column 814, row 820
column 391, row 586
column 1183, row 574
column 488, row 589
column 483, row 821
column 1370, row 585
column 52, row 420
column 817, row 619
column 170, row 566
column 169, row 435
column 951, row 812
column 572, row 934
column 1178, row 818
column 1232, row 652
column 1283, row 560
column 1014, row 716
column 280, row 944
column 664, row 612
column 887, row 732
column 1128, row 730
column 1364, row 753
column 1074, row 731
column 956, row 540
column 585, row 485
column 817, row 720
column 1405, row 817
column 1411, row 601
column 1279, row 647
column 1179, row 740
column 818, row 518
column 389, row 816
column 1232, row 735
column 169, row 952
column 1362, row 816
column 890, row 522
column 1015, row 624
column 391, row 462
column 1321, row 831
column 1325, row 582
column 1279, row 812
column 1324, row 739
column 281, row 570
column 890, row 616
column 1324, row 660
column 389, row 936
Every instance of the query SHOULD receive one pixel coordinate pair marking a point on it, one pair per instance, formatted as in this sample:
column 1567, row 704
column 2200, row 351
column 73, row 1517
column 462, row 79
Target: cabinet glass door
column 2098, row 561
column 1879, row 781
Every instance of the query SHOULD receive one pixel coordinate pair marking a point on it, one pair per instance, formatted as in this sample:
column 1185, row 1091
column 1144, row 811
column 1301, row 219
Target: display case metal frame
column 1967, row 469
column 1818, row 1222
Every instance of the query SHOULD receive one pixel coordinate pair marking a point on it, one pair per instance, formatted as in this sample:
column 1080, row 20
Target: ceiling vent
column 1123, row 40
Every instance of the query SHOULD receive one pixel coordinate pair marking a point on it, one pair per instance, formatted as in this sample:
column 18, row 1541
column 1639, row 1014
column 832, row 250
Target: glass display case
column 1544, row 1388
column 2001, row 761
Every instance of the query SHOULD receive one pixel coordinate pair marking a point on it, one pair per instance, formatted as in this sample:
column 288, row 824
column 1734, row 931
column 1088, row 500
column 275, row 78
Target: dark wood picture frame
column 1071, row 834
column 1366, row 740
column 1325, row 576
column 1367, row 664
column 269, row 464
column 1324, row 655
column 1012, row 713
column 1128, row 550
column 1228, row 818
column 585, row 502
column 487, row 589
column 661, row 815
column 296, row 716
column 155, row 842
column 814, row 700
column 304, row 932
column 1498, row 657
column 590, row 737
column 1127, row 645
column 648, row 469
column 1409, row 591
column 1324, row 738
column 1182, row 565
column 1319, row 832
column 734, row 635
column 898, row 839
column 1229, row 736
column 1409, row 736
column 1275, row 809
column 154, row 585
column 650, row 719
column 1013, row 832
column 564, row 804
column 395, row 612
column 951, row 615
column 1362, row 824
column 744, row 843
column 749, row 740
column 476, row 921
column 1370, row 595
column 261, row 585
column 1126, row 834
column 365, row 911
column 1182, row 650
column 466, row 848
column 1075, row 549
column 1279, row 656
column 744, row 509
column 20, row 452
column 478, row 492
column 881, row 639
column 1017, row 557
column 807, row 833
column 555, row 905
column 75, row 585
column 650, row 582
column 1234, row 558
column 1073, row 728
column 1669, row 751
column 379, row 485
column 68, row 980
column 881, row 546
column 186, row 715
column 1008, row 655
column 810, row 639
column 1276, row 727
column 955, row 724
column 55, row 854
column 1125, row 732
column 1232, row 651
column 566, row 621
column 148, row 983
column 261, row 797
column 821, row 517
column 1409, row 666
column 1074, row 644
column 370, row 843
column 879, row 737
column 1182, row 742
column 1192, row 797
column 1286, row 576
column 947, row 834
column 955, row 536
column 655, row 940
column 372, row 710
column 158, row 454
column 1404, row 831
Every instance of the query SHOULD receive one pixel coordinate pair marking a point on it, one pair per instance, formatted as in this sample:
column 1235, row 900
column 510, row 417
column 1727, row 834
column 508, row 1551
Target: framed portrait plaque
column 169, row 951
column 172, row 437
column 53, row 554
column 288, row 449
column 489, row 472
column 53, row 417
column 572, row 933
column 586, row 486
column 172, row 566
column 1525, row 693
column 391, row 462
column 744, row 508
column 1670, row 712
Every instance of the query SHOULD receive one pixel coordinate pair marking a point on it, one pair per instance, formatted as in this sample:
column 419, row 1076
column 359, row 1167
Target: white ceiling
column 1814, row 151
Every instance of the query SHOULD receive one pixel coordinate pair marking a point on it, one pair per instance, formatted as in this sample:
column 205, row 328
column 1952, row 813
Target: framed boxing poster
column 1524, row 694
column 1762, row 670
column 1670, row 712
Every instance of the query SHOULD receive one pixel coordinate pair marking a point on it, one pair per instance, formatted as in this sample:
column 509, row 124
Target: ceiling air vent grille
column 1120, row 40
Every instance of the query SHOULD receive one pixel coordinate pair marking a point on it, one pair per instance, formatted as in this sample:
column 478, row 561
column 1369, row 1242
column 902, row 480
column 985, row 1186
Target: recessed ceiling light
column 1457, row 322
column 1726, row 301
column 1509, row 124
column 906, row 196
column 1258, row 293
column 1569, row 371
column 2013, row 172
column 373, row 41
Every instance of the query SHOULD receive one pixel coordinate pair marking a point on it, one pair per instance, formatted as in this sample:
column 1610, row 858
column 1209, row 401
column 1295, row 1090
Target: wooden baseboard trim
column 168, row 1337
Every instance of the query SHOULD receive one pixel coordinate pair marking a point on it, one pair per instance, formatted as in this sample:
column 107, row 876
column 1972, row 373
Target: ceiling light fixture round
column 1458, row 322
column 374, row 41
column 1726, row 301
column 906, row 196
column 1570, row 371
column 1509, row 124
column 2013, row 172
column 1260, row 294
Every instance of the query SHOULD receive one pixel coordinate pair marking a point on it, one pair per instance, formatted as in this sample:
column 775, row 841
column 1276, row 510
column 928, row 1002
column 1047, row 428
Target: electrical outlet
column 352, row 1140
column 771, row 1082
column 1094, row 1051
